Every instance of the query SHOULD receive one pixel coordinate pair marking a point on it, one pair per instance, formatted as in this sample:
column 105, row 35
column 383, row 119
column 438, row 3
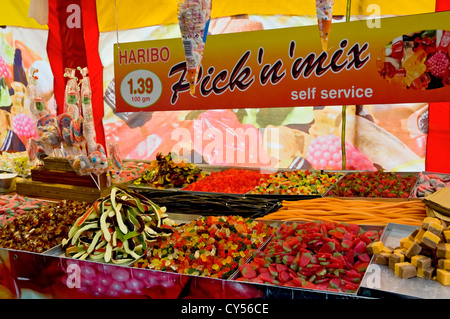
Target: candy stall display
column 296, row 217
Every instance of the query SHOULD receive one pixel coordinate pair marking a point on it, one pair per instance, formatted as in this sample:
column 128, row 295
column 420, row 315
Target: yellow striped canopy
column 142, row 13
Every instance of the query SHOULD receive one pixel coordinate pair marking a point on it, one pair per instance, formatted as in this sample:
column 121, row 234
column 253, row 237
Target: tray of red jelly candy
column 320, row 255
column 386, row 185
column 229, row 181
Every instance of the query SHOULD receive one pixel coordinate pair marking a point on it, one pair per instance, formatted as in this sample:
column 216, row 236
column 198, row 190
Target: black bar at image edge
column 229, row 308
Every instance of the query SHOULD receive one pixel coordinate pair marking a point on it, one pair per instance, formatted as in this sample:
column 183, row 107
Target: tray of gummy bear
column 213, row 204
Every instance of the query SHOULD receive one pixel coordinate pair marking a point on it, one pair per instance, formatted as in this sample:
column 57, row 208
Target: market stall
column 209, row 152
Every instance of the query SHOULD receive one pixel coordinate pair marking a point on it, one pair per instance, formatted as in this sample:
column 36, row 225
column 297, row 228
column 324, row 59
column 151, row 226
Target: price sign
column 141, row 88
column 287, row 68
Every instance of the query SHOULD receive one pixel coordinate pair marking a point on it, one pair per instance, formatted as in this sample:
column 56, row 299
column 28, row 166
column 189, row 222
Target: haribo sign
column 405, row 60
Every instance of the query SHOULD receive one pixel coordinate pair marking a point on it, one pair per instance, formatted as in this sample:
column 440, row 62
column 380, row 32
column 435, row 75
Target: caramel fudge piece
column 443, row 250
column 413, row 250
column 427, row 220
column 446, row 234
column 430, row 240
column 435, row 227
column 406, row 242
column 421, row 261
column 394, row 259
column 444, row 264
column 419, row 236
column 375, row 247
column 381, row 258
column 387, row 249
column 428, row 252
column 413, row 234
column 405, row 270
column 400, row 251
column 443, row 276
column 425, row 273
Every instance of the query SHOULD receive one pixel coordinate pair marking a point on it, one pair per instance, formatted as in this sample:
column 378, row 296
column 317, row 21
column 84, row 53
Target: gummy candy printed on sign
column 418, row 61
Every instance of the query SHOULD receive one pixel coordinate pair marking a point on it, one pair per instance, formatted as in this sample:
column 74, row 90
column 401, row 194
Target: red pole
column 94, row 64
column 438, row 139
column 73, row 42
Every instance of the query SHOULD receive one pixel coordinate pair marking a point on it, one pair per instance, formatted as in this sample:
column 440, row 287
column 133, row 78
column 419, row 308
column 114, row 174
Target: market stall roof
column 142, row 13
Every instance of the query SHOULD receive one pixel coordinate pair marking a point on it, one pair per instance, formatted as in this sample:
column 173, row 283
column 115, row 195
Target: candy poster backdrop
column 391, row 136
column 286, row 67
column 20, row 50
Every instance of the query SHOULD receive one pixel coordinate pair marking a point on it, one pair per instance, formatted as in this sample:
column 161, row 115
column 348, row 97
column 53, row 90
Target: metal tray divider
column 249, row 259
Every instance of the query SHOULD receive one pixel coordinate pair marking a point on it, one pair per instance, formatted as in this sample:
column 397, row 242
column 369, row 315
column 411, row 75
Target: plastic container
column 7, row 183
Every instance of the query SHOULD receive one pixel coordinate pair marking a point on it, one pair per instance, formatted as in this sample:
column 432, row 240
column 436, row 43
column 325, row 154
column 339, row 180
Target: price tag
column 141, row 88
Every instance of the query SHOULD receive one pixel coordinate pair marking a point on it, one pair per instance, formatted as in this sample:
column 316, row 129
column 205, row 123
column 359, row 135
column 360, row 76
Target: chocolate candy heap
column 43, row 228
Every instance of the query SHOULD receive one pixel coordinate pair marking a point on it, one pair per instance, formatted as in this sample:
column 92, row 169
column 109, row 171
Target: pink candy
column 23, row 126
column 324, row 152
column 437, row 64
